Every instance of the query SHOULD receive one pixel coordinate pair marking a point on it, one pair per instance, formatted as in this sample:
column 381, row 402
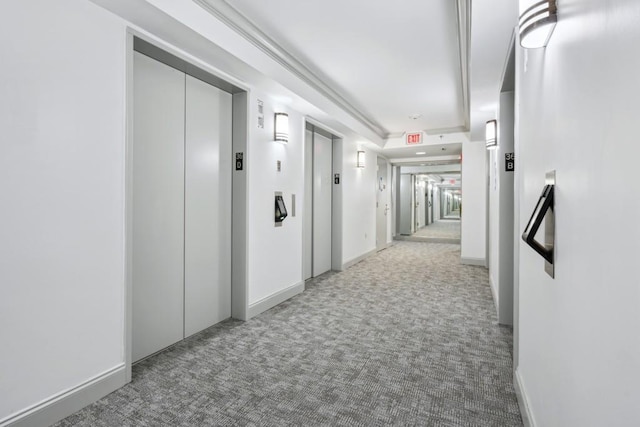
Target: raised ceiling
column 396, row 67
column 399, row 63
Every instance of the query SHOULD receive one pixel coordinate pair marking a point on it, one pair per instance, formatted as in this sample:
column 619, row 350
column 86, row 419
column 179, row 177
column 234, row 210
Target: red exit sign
column 414, row 138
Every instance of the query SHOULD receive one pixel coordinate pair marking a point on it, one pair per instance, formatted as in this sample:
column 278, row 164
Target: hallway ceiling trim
column 464, row 43
column 244, row 26
column 239, row 23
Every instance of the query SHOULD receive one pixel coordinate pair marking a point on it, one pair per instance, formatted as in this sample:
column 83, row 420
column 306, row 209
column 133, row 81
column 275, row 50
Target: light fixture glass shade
column 490, row 132
column 537, row 21
column 281, row 127
column 360, row 159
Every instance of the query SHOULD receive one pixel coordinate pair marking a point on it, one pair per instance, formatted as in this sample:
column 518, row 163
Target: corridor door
column 181, row 206
column 382, row 206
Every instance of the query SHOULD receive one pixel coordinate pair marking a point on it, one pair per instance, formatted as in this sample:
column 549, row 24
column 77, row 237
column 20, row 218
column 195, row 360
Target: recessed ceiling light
column 420, row 153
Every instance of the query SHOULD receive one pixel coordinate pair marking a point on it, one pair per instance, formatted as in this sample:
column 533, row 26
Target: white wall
column 578, row 115
column 473, row 225
column 275, row 263
column 494, row 225
column 62, row 156
column 421, row 202
column 390, row 202
column 395, row 197
column 358, row 200
column 62, row 177
column 405, row 205
column 436, row 202
column 501, row 223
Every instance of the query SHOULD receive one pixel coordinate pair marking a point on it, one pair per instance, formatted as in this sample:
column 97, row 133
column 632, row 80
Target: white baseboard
column 494, row 294
column 356, row 260
column 275, row 299
column 63, row 404
column 523, row 401
column 386, row 246
column 474, row 261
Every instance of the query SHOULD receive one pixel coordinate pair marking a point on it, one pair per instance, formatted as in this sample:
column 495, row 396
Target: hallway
column 442, row 229
column 405, row 337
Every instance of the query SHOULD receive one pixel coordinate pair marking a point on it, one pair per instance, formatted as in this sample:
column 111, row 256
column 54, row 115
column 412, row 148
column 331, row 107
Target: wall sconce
column 281, row 128
column 490, row 133
column 537, row 21
column 360, row 159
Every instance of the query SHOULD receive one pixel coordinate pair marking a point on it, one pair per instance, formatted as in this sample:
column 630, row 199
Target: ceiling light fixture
column 420, row 153
column 537, row 21
column 491, row 138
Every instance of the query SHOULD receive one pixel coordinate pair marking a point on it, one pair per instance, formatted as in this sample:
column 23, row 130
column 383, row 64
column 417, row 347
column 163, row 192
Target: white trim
column 385, row 246
column 128, row 209
column 356, row 260
column 482, row 262
column 523, row 401
column 463, row 15
column 240, row 24
column 413, row 238
column 67, row 402
column 181, row 51
column 423, row 159
column 319, row 124
column 275, row 299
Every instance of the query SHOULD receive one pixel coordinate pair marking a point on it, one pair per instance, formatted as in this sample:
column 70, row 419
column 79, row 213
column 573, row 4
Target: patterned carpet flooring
column 406, row 337
column 447, row 229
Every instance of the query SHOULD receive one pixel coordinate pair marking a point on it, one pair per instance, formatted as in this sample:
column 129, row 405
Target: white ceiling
column 493, row 22
column 383, row 62
column 390, row 60
column 444, row 153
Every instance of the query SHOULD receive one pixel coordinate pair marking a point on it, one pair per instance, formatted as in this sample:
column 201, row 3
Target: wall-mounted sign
column 260, row 114
column 239, row 161
column 414, row 138
column 509, row 162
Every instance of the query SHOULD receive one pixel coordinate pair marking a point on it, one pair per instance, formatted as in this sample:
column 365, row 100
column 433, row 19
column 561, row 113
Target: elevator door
column 207, row 275
column 322, row 187
column 181, row 206
column 158, row 206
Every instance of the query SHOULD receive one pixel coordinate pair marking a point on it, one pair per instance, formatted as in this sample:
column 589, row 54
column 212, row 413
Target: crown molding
column 463, row 15
column 396, row 135
column 453, row 158
column 235, row 20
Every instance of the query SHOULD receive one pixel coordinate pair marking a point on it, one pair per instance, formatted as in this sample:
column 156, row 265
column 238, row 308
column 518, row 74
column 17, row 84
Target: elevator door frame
column 139, row 42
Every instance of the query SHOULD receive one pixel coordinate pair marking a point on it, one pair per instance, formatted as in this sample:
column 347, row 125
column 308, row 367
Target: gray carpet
column 442, row 231
column 406, row 337
column 443, row 228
